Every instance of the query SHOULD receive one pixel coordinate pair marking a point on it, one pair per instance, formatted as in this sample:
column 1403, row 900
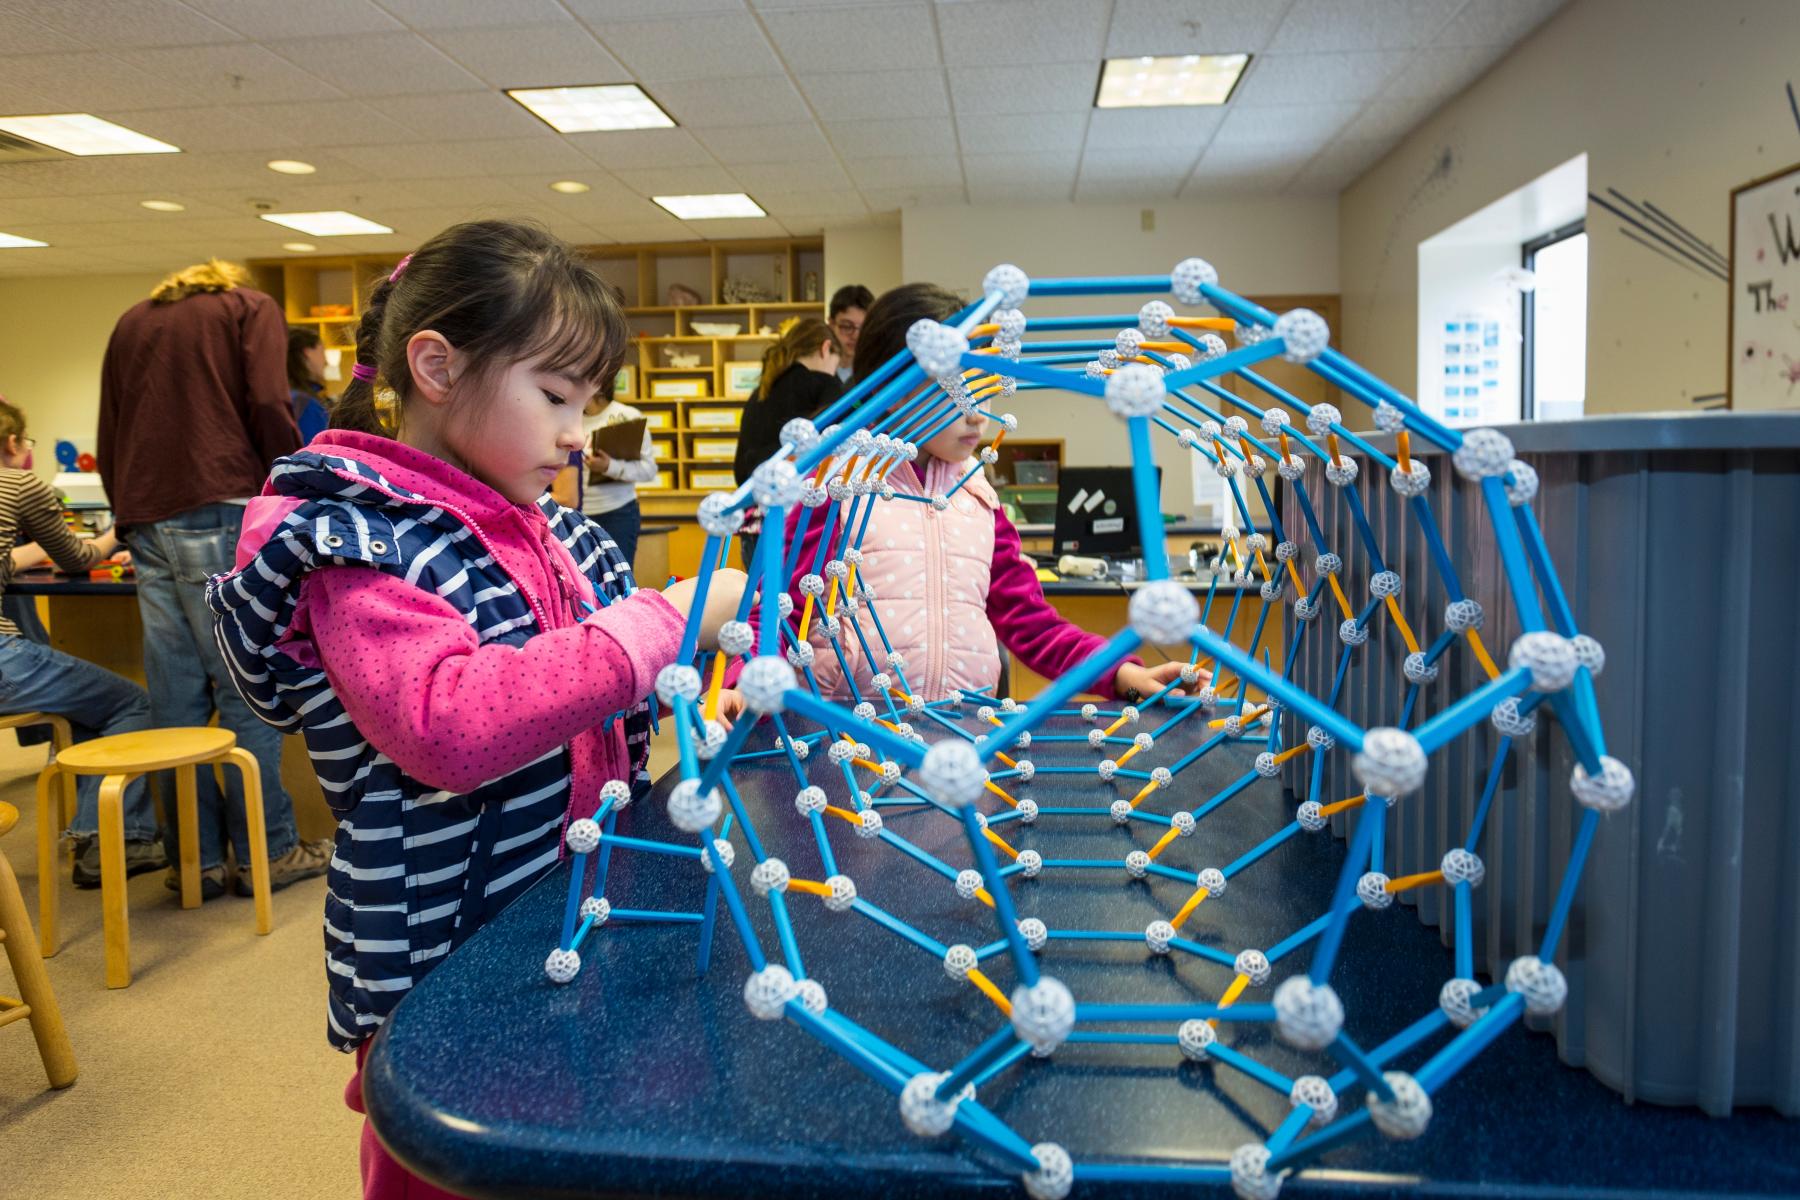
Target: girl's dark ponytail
column 356, row 409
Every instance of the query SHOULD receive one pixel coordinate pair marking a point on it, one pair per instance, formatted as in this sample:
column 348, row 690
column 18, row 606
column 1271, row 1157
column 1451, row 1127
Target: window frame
column 1528, row 314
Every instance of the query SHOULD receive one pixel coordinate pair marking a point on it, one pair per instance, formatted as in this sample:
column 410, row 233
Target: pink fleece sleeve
column 1038, row 635
column 454, row 713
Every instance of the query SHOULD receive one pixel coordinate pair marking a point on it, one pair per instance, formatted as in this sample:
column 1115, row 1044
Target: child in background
column 450, row 641
column 306, row 382
column 952, row 586
column 36, row 678
column 613, row 504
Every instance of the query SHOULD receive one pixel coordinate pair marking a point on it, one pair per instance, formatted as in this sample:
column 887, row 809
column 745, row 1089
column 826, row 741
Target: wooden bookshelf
column 788, row 274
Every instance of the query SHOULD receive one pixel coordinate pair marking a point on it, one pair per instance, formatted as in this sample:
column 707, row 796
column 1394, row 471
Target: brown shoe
column 305, row 861
column 212, row 881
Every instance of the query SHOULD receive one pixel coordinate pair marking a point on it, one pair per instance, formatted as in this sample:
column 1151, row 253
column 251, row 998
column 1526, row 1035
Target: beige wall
column 1672, row 103
column 53, row 334
column 870, row 257
column 1261, row 246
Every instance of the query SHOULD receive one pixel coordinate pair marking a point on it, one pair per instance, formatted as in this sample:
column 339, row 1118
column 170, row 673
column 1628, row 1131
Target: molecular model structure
column 1154, row 370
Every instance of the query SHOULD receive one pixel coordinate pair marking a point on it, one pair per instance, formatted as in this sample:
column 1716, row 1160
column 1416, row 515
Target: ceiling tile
column 990, row 169
column 665, row 229
column 1301, row 127
column 38, row 209
column 695, row 47
column 813, row 204
column 1044, row 88
column 240, row 73
column 463, row 14
column 383, row 64
column 624, row 10
column 642, row 148
column 503, row 156
column 25, row 36
column 988, row 133
column 1113, row 189
column 456, row 116
column 766, row 143
column 1183, row 129
column 1191, row 27
column 1317, row 78
column 292, row 127
column 1021, row 31
column 363, row 195
column 942, row 170
column 718, row 103
column 535, row 56
column 1021, row 190
column 1386, row 120
column 197, row 129
column 848, row 39
column 902, row 137
column 861, row 95
column 266, row 19
column 1325, row 25
column 768, row 179
column 889, row 199
column 736, row 227
column 678, row 181
column 1442, row 72
column 89, row 82
column 1337, row 166
column 1497, row 24
column 1148, row 162
column 106, row 24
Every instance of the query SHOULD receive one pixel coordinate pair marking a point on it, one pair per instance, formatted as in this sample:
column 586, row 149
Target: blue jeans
column 35, row 678
column 188, row 680
column 623, row 524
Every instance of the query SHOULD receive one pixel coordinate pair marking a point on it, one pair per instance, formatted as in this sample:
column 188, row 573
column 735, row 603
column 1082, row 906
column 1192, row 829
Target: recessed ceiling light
column 570, row 187
column 707, row 208
column 162, row 206
column 590, row 108
column 299, row 247
column 83, row 134
column 291, row 166
column 1178, row 79
column 12, row 241
column 336, row 223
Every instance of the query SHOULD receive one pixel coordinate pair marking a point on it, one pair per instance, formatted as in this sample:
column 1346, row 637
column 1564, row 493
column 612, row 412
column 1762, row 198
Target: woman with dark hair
column 306, row 381
column 799, row 378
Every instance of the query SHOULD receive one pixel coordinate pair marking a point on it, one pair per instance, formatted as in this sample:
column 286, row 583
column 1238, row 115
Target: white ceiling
column 831, row 113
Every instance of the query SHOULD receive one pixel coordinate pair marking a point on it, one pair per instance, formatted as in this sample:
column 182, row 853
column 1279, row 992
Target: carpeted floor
column 208, row 1076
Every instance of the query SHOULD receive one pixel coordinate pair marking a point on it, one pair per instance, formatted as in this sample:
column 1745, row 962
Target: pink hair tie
column 362, row 371
column 399, row 270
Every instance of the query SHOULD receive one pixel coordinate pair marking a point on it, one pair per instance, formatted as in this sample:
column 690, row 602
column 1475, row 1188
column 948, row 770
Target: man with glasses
column 849, row 304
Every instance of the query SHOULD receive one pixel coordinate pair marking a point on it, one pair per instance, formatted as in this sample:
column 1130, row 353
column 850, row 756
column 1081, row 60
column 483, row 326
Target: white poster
column 1765, row 293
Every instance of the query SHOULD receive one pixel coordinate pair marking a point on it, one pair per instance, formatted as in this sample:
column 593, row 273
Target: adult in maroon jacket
column 194, row 409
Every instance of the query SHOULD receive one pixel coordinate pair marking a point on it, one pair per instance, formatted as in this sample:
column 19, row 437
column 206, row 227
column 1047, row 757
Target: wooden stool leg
column 34, row 983
column 113, row 900
column 49, row 861
column 61, row 738
column 259, row 839
column 187, row 819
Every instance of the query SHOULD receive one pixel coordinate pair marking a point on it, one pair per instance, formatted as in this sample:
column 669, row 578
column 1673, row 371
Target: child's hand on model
column 731, row 706
column 722, row 597
column 1133, row 682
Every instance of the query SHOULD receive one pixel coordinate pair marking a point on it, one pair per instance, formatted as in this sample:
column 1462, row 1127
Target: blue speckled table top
column 639, row 1078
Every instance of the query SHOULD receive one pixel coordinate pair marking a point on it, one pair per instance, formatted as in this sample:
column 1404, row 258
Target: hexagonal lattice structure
column 1163, row 371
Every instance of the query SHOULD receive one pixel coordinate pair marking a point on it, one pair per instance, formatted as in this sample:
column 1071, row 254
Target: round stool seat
column 9, row 816
column 146, row 750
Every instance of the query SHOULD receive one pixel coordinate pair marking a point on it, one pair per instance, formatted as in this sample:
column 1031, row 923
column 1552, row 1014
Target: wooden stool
column 52, row 819
column 122, row 758
column 37, row 1002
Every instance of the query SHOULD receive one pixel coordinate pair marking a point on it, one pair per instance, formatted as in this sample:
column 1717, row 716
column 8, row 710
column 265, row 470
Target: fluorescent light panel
column 592, row 108
column 336, row 223
column 1162, row 82
column 12, row 241
column 707, row 208
column 83, row 134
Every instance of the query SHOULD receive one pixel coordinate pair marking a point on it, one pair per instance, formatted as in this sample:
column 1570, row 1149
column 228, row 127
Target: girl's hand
column 722, row 597
column 597, row 460
column 731, row 706
column 1147, row 681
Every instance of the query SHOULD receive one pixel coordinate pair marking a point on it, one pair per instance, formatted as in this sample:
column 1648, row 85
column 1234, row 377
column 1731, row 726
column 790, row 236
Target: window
column 1554, row 322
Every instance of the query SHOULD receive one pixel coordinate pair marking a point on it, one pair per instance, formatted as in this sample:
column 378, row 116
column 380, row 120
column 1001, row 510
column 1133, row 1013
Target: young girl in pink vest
column 951, row 585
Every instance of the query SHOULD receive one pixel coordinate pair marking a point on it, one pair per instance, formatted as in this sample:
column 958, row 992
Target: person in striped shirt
column 467, row 660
